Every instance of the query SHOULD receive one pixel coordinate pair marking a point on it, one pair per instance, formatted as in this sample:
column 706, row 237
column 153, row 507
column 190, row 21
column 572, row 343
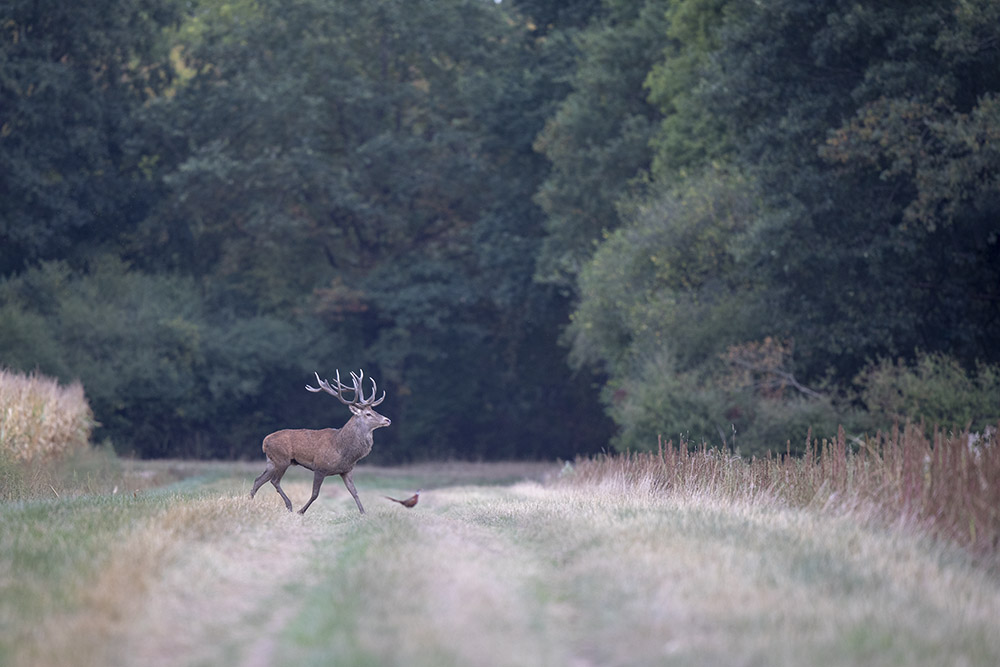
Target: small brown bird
column 409, row 502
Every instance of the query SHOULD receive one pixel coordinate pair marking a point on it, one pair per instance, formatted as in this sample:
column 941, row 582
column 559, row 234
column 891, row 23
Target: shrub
column 934, row 389
column 749, row 415
column 40, row 419
column 659, row 401
column 166, row 372
column 779, row 425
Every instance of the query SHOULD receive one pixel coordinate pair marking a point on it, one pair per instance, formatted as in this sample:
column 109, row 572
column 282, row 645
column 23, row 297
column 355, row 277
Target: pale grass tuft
column 40, row 419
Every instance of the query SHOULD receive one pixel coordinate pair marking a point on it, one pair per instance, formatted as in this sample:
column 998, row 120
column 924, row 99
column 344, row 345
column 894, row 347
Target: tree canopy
column 710, row 216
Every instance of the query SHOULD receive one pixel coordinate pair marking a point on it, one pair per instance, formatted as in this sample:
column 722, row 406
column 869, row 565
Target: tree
column 166, row 371
column 661, row 301
column 598, row 139
column 72, row 76
column 372, row 166
column 547, row 16
column 861, row 140
column 688, row 137
column 868, row 128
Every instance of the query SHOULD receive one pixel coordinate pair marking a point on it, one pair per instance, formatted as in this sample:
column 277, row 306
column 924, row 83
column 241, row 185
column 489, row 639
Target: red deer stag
column 329, row 451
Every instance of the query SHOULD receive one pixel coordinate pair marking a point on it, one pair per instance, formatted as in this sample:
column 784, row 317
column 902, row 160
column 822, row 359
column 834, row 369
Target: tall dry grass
column 41, row 419
column 947, row 485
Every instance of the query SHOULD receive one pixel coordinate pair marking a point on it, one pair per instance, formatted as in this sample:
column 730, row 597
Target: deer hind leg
column 354, row 492
column 317, row 482
column 263, row 478
column 276, row 481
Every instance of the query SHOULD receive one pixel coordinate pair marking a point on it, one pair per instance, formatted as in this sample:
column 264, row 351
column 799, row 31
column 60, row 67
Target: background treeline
column 727, row 217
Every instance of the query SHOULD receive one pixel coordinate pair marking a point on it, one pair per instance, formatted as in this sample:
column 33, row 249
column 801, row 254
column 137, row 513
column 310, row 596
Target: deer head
column 359, row 406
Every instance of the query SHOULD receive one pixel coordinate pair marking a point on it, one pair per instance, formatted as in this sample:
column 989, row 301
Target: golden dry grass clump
column 40, row 419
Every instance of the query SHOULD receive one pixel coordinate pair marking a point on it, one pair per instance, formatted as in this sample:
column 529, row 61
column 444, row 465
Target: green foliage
column 547, row 16
column 336, row 185
column 780, row 425
column 598, row 139
column 396, row 186
column 202, row 203
column 688, row 136
column 669, row 277
column 659, row 401
column 934, row 389
column 868, row 128
column 72, row 76
column 318, row 151
column 855, row 218
column 164, row 372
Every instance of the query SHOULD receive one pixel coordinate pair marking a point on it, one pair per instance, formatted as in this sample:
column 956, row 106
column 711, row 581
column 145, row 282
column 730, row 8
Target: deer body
column 329, row 451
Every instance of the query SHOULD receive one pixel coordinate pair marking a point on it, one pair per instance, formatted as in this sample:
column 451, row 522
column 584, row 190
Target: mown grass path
column 525, row 574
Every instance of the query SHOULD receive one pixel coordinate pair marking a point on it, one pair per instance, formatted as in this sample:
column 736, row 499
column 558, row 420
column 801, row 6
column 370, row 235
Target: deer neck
column 357, row 436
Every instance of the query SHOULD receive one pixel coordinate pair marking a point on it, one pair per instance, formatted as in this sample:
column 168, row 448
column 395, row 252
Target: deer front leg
column 354, row 492
column 317, row 482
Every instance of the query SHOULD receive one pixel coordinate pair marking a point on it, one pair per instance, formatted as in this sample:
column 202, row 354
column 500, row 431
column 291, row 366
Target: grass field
column 180, row 567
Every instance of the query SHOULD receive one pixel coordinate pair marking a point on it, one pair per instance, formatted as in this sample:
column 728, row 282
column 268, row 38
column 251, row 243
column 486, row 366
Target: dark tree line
column 688, row 209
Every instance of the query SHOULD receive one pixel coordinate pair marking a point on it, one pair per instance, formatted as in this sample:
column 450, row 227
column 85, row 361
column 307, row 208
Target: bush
column 721, row 405
column 780, row 425
column 39, row 419
column 662, row 401
column 166, row 373
column 934, row 389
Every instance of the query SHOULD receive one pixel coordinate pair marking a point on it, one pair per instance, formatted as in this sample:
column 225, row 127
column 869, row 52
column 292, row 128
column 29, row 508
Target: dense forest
column 542, row 226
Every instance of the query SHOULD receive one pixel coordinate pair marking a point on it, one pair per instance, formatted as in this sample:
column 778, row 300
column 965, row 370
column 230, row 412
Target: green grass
column 607, row 572
column 50, row 549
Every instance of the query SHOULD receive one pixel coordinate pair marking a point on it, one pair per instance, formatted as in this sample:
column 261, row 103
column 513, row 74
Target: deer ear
column 355, row 410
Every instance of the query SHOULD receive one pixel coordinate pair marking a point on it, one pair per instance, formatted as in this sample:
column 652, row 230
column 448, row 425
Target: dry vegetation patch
column 41, row 419
column 943, row 484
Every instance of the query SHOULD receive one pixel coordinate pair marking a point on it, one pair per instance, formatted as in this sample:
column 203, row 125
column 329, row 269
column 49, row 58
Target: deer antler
column 340, row 388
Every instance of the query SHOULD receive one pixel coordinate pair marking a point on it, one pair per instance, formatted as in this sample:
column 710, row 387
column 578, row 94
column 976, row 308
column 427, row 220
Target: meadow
column 876, row 551
column 597, row 562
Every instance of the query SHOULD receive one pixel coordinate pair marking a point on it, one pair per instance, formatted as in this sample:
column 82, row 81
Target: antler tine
column 375, row 391
column 318, row 381
column 370, row 401
column 343, row 387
